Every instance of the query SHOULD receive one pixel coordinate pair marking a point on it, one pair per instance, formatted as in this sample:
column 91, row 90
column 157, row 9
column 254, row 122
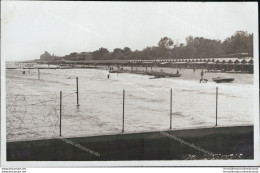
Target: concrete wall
column 138, row 146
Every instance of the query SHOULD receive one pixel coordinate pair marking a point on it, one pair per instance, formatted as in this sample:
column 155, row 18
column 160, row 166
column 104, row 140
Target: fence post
column 60, row 109
column 77, row 85
column 216, row 106
column 123, row 125
column 38, row 73
column 171, row 110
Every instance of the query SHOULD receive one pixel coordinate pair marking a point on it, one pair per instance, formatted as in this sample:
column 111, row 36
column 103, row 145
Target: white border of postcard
column 254, row 162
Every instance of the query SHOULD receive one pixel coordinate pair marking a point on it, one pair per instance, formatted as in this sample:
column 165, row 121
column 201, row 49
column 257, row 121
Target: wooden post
column 39, row 74
column 171, row 110
column 217, row 106
column 77, row 85
column 123, row 125
column 60, row 109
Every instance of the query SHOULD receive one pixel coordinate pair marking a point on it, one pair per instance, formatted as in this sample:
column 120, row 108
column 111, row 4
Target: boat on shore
column 162, row 74
column 149, row 73
column 221, row 79
column 214, row 71
column 115, row 71
column 242, row 72
column 174, row 75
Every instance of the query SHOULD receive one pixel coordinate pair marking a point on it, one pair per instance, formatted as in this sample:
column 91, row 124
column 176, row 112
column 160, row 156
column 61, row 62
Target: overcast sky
column 30, row 28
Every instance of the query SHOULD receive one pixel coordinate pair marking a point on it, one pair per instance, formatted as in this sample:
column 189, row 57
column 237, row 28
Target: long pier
column 211, row 143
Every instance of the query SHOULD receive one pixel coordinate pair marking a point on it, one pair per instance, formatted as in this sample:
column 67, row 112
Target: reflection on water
column 33, row 105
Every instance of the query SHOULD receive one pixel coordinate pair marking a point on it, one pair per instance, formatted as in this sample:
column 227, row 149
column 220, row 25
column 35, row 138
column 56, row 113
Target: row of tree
column 196, row 47
column 240, row 43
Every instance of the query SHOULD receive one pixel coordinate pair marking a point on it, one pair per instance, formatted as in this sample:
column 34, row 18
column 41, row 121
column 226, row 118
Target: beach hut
column 237, row 65
column 243, row 64
column 210, row 65
column 251, row 66
column 247, row 65
column 229, row 65
column 223, row 65
column 217, row 65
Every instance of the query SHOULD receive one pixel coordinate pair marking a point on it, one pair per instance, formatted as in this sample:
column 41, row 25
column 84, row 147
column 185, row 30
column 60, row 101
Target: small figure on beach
column 177, row 72
column 108, row 75
column 201, row 74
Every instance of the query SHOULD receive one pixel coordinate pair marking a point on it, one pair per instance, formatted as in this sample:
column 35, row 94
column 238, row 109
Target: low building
column 239, row 65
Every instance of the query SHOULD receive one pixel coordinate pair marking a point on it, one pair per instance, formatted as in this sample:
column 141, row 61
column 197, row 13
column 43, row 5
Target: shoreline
column 186, row 74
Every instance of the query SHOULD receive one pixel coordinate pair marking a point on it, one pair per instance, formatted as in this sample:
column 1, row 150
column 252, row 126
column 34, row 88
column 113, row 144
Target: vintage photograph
column 130, row 81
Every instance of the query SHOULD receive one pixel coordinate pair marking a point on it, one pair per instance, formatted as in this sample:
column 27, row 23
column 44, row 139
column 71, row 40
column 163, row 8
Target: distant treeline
column 195, row 47
column 240, row 43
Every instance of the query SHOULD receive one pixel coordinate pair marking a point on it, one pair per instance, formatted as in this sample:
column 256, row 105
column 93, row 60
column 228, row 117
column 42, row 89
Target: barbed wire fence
column 38, row 116
column 30, row 116
column 52, row 115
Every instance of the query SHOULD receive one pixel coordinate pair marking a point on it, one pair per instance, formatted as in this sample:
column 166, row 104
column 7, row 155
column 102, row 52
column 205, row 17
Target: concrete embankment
column 166, row 145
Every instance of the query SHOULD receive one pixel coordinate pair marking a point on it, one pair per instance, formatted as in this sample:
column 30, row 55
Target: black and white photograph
column 129, row 83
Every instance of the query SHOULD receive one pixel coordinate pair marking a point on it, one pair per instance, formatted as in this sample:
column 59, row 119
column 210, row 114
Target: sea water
column 33, row 104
